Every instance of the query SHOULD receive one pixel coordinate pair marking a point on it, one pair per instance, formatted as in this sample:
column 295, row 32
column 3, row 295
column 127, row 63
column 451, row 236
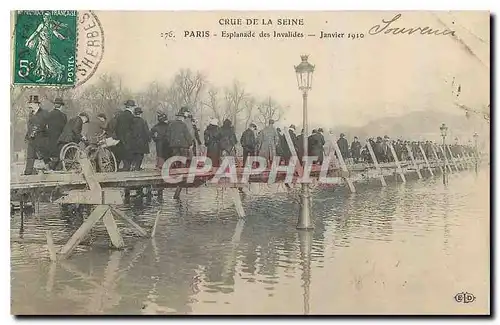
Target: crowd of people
column 48, row 132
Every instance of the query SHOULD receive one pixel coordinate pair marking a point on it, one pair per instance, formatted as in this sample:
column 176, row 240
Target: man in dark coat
column 124, row 131
column 72, row 131
column 179, row 138
column 287, row 151
column 379, row 150
column 300, row 145
column 249, row 142
column 227, row 139
column 140, row 139
column 36, row 135
column 386, row 149
column 315, row 147
column 55, row 123
column 159, row 136
column 356, row 150
column 343, row 146
column 322, row 142
column 212, row 137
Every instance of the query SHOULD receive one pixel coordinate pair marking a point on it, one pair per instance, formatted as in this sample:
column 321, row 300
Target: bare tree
column 234, row 97
column 186, row 90
column 153, row 99
column 269, row 109
column 107, row 95
column 213, row 103
column 250, row 105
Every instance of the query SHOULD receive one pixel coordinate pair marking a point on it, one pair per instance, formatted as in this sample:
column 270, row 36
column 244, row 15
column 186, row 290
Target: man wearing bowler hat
column 36, row 135
column 124, row 133
column 56, row 122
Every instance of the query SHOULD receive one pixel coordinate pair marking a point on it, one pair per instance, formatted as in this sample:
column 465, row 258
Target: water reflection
column 204, row 259
column 305, row 239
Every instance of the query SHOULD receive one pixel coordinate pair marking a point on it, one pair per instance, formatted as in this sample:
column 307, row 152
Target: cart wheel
column 70, row 154
column 106, row 161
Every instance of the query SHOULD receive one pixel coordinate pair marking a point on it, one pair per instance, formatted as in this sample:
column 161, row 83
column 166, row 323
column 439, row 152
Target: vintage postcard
column 249, row 163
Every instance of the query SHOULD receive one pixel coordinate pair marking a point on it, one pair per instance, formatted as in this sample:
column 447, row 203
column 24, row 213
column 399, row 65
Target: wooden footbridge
column 104, row 191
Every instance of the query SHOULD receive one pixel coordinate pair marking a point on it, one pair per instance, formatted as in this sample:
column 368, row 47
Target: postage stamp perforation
column 26, row 40
column 44, row 49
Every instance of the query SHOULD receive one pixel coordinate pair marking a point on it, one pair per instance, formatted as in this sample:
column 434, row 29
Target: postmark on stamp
column 45, row 47
column 59, row 48
column 90, row 46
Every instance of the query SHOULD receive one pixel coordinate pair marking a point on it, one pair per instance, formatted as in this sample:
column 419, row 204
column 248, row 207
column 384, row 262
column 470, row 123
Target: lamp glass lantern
column 304, row 72
column 443, row 130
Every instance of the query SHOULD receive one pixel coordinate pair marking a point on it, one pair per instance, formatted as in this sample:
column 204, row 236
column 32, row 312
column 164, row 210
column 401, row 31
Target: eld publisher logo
column 465, row 297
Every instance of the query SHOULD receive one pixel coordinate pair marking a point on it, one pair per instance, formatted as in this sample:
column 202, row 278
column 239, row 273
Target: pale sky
column 354, row 82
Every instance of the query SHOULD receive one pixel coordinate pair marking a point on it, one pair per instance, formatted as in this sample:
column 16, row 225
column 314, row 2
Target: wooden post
column 344, row 167
column 452, row 158
column 466, row 160
column 438, row 161
column 112, row 228
column 84, row 229
column 455, row 160
column 127, row 196
column 446, row 159
column 177, row 193
column 103, row 210
column 153, row 232
column 400, row 170
column 426, row 160
column 140, row 231
column 50, row 246
column 375, row 162
column 235, row 195
column 417, row 169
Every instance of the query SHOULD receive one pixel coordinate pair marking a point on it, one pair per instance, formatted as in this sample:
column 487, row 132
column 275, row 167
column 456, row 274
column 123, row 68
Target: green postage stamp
column 45, row 48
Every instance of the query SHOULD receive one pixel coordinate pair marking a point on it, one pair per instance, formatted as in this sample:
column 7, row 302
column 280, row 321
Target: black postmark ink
column 90, row 46
column 387, row 28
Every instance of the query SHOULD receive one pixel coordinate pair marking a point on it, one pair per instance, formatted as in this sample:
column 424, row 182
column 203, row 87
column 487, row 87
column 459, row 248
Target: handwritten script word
column 377, row 29
column 465, row 297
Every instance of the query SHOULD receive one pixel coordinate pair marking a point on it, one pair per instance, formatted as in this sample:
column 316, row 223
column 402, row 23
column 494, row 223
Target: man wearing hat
column 159, row 136
column 212, row 138
column 36, row 135
column 268, row 141
column 72, row 131
column 123, row 131
column 140, row 139
column 179, row 137
column 96, row 128
column 356, row 150
column 343, row 146
column 56, row 122
column 248, row 142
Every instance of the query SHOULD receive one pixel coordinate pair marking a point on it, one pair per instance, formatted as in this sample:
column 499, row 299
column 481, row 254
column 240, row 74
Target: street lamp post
column 304, row 72
column 444, row 130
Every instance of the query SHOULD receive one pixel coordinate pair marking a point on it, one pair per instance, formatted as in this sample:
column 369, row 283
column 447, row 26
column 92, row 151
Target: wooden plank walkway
column 154, row 177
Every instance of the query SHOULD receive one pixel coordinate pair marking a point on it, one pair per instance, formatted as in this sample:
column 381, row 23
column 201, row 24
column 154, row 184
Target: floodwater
column 406, row 248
